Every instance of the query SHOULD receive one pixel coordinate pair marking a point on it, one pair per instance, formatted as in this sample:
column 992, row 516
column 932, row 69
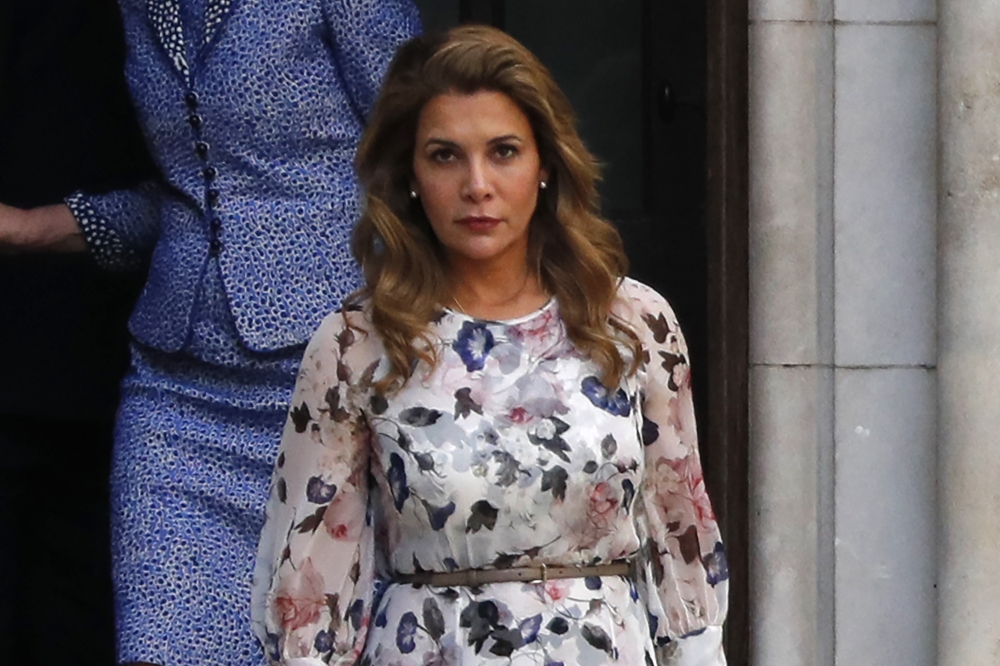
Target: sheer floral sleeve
column 314, row 581
column 684, row 578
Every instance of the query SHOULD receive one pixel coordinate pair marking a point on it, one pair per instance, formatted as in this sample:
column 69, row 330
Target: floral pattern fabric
column 509, row 453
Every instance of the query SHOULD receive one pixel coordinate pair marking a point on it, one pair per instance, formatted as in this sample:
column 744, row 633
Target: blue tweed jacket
column 253, row 110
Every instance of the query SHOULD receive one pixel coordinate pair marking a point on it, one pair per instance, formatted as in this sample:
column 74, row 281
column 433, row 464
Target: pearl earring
column 542, row 185
column 413, row 194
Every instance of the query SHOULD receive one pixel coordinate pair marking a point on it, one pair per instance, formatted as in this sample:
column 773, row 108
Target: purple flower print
column 355, row 612
column 650, row 431
column 716, row 565
column 324, row 641
column 406, row 631
column 438, row 515
column 320, row 492
column 616, row 403
column 473, row 345
column 530, row 627
column 397, row 481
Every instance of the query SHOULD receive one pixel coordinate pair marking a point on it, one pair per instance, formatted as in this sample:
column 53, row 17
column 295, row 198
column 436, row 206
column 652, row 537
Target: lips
column 479, row 222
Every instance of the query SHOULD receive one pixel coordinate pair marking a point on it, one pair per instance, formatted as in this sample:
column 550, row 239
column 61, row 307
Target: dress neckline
column 514, row 321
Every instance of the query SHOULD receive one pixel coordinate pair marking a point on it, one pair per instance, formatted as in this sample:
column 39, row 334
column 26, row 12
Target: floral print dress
column 509, row 453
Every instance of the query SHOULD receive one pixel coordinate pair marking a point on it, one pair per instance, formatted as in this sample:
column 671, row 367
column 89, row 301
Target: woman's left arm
column 684, row 578
column 365, row 36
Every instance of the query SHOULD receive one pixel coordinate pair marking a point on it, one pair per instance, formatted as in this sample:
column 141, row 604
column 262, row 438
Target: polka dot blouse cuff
column 103, row 241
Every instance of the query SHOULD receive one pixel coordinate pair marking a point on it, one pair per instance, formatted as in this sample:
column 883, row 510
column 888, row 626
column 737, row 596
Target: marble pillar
column 791, row 333
column 843, row 173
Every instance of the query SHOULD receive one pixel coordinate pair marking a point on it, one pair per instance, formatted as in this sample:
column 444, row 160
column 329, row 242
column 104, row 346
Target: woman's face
column 477, row 172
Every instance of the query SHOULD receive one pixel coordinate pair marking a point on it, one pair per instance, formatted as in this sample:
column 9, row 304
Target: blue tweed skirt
column 195, row 443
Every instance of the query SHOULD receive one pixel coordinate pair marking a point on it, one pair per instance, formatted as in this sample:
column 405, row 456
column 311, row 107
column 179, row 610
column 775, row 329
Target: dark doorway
column 660, row 98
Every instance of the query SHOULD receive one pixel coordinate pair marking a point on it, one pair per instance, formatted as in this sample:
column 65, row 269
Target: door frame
column 726, row 440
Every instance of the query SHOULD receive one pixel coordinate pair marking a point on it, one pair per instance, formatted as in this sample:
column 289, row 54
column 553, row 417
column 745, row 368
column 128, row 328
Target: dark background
column 66, row 123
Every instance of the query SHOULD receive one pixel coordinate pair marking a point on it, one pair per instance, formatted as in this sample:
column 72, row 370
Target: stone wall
column 843, row 171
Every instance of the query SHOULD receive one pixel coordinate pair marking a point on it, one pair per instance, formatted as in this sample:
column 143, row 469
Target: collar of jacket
column 165, row 17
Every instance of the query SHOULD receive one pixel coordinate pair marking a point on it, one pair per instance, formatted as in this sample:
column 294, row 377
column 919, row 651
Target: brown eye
column 442, row 155
column 506, row 151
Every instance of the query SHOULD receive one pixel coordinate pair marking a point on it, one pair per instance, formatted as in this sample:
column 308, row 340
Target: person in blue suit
column 252, row 110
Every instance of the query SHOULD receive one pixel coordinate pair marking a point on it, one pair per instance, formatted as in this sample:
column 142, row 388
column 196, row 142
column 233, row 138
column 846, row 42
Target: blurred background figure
column 66, row 122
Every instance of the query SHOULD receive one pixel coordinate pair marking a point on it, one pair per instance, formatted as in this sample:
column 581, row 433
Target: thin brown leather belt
column 477, row 577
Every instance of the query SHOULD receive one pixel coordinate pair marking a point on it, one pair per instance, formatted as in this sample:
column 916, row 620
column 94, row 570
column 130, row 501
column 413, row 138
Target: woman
column 253, row 112
column 524, row 410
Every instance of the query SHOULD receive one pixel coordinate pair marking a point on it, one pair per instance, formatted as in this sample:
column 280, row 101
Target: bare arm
column 43, row 229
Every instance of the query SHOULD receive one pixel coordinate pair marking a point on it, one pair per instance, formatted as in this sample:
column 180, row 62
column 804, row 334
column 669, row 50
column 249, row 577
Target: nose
column 477, row 186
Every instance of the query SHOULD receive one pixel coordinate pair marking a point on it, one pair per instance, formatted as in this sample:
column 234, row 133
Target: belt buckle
column 545, row 572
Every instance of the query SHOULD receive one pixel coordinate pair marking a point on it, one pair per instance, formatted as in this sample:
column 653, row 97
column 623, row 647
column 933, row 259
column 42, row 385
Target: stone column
column 969, row 333
column 791, row 333
column 885, row 328
column 843, row 211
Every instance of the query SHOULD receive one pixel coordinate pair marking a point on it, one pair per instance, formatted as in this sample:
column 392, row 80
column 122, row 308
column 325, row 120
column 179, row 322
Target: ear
column 543, row 175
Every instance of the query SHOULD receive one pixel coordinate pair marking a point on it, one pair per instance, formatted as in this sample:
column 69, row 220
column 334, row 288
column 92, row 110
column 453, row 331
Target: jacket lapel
column 165, row 17
column 215, row 13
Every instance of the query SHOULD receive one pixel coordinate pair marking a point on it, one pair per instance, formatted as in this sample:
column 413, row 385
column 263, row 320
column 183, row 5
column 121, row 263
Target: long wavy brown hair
column 578, row 255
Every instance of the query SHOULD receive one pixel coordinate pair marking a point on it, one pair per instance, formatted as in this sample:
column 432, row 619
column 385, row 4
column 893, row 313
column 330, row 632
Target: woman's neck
column 495, row 291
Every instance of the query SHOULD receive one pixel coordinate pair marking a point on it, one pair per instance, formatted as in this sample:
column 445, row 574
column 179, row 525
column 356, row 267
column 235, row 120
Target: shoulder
column 343, row 351
column 645, row 310
column 343, row 329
